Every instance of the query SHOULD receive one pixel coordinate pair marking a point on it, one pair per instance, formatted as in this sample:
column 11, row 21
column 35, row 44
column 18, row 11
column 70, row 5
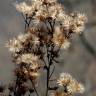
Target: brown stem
column 52, row 72
column 34, row 88
column 48, row 72
column 50, row 59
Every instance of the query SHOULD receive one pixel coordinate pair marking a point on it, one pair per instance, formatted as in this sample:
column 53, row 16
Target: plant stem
column 49, row 57
column 34, row 88
column 48, row 72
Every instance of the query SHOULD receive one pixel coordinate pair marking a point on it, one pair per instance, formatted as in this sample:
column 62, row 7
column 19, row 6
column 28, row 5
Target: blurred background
column 79, row 60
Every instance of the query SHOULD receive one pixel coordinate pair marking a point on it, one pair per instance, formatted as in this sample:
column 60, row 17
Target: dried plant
column 48, row 28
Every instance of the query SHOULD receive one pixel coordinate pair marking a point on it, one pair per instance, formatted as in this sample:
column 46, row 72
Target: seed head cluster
column 48, row 28
column 69, row 84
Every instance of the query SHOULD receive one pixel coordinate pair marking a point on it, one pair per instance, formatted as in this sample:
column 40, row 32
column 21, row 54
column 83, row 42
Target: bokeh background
column 79, row 60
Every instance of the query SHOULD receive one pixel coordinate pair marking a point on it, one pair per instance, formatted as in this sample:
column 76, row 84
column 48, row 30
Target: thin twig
column 34, row 88
column 52, row 72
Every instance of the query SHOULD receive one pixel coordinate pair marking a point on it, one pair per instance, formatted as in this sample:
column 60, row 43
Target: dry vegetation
column 48, row 29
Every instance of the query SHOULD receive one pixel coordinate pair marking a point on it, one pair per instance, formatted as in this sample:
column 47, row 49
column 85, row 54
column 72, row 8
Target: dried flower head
column 70, row 85
column 23, row 8
column 14, row 45
column 27, row 59
column 64, row 79
column 79, row 21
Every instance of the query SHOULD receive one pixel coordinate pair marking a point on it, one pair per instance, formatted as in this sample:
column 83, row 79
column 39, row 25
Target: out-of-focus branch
column 91, row 24
column 87, row 45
